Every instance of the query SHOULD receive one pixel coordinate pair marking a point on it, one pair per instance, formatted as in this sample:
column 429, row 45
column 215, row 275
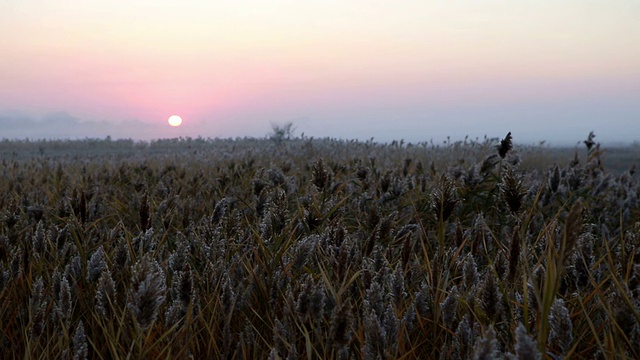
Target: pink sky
column 337, row 68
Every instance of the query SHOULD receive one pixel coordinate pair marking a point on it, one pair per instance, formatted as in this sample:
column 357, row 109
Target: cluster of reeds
column 318, row 249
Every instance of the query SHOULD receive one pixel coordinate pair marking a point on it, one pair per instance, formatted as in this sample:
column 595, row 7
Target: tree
column 281, row 132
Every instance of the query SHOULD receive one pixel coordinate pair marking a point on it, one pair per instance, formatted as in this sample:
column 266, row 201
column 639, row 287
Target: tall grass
column 317, row 249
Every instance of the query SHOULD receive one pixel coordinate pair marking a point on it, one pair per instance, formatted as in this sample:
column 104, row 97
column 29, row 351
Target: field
column 318, row 248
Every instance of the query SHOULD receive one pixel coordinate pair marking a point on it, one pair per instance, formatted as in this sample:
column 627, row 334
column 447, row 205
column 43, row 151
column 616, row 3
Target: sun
column 175, row 120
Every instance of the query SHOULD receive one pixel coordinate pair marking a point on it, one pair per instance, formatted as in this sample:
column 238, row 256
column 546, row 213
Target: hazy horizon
column 62, row 126
column 412, row 70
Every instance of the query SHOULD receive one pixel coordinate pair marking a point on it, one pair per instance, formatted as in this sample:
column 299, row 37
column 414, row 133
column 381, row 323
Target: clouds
column 61, row 125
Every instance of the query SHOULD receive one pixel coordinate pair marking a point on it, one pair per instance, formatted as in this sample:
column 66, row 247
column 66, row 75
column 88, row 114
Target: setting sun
column 175, row 120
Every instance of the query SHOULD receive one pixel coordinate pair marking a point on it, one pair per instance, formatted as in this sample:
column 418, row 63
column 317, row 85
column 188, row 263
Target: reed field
column 318, row 249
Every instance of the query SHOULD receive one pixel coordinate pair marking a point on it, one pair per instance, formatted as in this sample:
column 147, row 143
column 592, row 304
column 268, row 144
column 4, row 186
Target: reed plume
column 80, row 347
column 105, row 298
column 486, row 348
column 147, row 291
column 526, row 348
column 444, row 199
column 561, row 333
column 505, row 146
column 514, row 253
column 513, row 190
column 490, row 297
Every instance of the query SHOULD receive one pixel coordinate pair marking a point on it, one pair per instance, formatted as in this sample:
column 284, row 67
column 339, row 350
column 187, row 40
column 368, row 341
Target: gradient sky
column 418, row 70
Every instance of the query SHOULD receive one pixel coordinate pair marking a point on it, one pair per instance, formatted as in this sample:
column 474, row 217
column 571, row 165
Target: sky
column 413, row 70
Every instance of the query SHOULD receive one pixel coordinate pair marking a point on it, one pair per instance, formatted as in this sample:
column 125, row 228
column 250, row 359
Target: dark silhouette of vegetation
column 281, row 132
column 203, row 248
